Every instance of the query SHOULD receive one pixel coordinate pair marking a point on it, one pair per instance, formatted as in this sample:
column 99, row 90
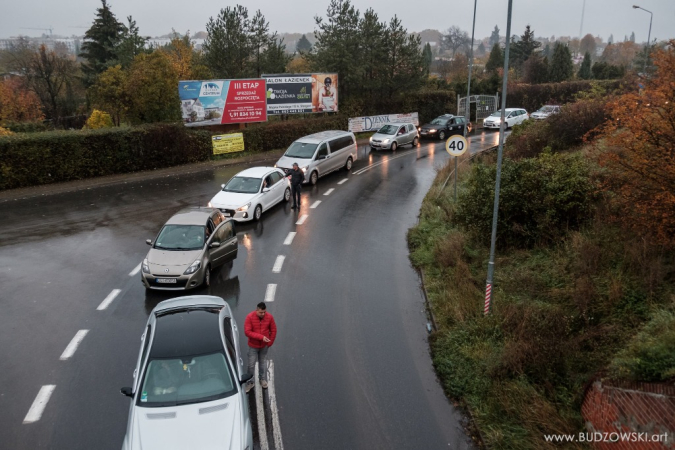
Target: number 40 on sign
column 456, row 145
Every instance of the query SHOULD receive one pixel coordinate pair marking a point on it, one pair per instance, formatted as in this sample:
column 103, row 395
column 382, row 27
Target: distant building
column 71, row 44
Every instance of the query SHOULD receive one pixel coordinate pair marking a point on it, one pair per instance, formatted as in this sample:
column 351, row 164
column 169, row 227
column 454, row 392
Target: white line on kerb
column 38, row 406
column 289, row 238
column 365, row 169
column 270, row 292
column 302, row 219
column 74, row 343
column 276, row 428
column 136, row 270
column 329, row 191
column 342, row 181
column 315, row 204
column 278, row 264
column 260, row 409
column 108, row 300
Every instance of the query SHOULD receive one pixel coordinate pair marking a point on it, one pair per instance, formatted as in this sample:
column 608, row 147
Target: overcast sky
column 547, row 17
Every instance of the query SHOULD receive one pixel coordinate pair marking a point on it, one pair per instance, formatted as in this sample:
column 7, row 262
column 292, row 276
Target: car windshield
column 439, row 121
column 180, row 237
column 181, row 381
column 547, row 109
column 301, row 150
column 243, row 185
column 388, row 129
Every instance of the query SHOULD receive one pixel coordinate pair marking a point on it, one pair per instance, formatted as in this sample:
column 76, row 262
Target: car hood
column 428, row 126
column 493, row 119
column 286, row 162
column 540, row 114
column 172, row 258
column 231, row 200
column 382, row 137
column 188, row 427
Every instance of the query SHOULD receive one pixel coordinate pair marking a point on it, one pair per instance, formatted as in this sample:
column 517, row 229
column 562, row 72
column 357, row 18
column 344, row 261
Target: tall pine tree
column 303, row 45
column 495, row 60
column 585, row 69
column 494, row 37
column 561, row 67
column 100, row 42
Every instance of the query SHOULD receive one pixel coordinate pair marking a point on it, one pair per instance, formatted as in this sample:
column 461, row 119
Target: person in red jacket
column 261, row 330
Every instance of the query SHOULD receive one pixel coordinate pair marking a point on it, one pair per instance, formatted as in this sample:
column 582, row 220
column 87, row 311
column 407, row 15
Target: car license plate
column 166, row 280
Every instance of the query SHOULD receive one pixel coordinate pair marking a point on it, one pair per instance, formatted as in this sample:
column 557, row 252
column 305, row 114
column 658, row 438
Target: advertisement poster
column 228, row 143
column 216, row 102
column 372, row 123
column 302, row 93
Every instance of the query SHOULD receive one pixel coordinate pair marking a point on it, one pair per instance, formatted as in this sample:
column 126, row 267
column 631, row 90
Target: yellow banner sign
column 228, row 143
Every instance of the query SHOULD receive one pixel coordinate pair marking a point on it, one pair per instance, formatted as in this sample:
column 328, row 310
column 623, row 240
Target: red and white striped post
column 488, row 298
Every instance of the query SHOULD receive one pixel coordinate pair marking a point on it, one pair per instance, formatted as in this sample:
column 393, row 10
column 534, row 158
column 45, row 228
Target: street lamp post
column 467, row 103
column 649, row 37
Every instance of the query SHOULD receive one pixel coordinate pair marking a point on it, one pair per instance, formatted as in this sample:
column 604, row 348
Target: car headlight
column 371, row 139
column 245, row 207
column 275, row 166
column 193, row 267
column 209, row 205
column 386, row 141
column 304, row 169
column 433, row 130
column 419, row 128
column 145, row 267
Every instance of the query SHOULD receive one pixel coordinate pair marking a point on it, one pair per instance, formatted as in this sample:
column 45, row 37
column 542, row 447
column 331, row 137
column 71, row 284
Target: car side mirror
column 244, row 378
column 222, row 186
column 127, row 391
column 266, row 189
column 148, row 241
column 214, row 244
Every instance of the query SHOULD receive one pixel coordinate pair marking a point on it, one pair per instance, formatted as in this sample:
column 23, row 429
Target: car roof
column 183, row 332
column 195, row 215
column 255, row 172
column 321, row 136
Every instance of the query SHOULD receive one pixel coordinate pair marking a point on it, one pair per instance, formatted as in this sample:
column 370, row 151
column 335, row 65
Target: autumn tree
column 620, row 54
column 454, row 39
column 18, row 104
column 151, row 87
column 185, row 59
column 588, row 45
column 641, row 136
column 109, row 93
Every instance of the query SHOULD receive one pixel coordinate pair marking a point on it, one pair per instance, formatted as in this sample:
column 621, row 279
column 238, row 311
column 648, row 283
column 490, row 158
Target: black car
column 444, row 126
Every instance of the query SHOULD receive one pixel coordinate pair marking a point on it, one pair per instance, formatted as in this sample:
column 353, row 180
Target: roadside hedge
column 534, row 96
column 56, row 156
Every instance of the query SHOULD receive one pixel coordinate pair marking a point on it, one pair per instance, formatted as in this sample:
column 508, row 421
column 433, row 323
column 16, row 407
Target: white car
column 514, row 116
column 251, row 192
column 188, row 388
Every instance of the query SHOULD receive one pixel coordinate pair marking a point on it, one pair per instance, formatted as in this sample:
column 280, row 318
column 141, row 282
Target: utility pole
column 649, row 38
column 500, row 152
column 467, row 104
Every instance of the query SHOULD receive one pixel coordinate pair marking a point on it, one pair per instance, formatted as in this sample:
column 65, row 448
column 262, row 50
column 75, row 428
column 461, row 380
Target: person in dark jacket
column 297, row 176
column 261, row 331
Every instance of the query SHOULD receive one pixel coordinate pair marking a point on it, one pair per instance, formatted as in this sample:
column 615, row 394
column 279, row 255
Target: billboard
column 302, row 93
column 216, row 102
column 228, row 143
column 372, row 123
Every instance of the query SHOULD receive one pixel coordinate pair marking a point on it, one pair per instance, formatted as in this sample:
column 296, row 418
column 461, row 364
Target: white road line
column 260, row 409
column 302, row 219
column 108, row 300
column 136, row 270
column 38, row 406
column 289, row 238
column 278, row 264
column 372, row 166
column 74, row 343
column 315, row 204
column 342, row 181
column 270, row 292
column 329, row 191
column 276, row 428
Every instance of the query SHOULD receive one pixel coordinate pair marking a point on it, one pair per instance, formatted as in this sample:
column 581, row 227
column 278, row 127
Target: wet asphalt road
column 351, row 360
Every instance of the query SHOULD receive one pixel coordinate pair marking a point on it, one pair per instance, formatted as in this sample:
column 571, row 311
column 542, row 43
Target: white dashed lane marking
column 278, row 264
column 260, row 410
column 342, row 181
column 289, row 238
column 108, row 300
column 302, row 219
column 270, row 292
column 329, row 191
column 276, row 428
column 136, row 270
column 39, row 404
column 315, row 204
column 74, row 343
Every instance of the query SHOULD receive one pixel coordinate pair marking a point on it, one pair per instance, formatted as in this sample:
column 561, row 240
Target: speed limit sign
column 456, row 145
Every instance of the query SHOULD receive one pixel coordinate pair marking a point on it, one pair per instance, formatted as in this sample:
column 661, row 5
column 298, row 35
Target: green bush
column 56, row 156
column 540, row 199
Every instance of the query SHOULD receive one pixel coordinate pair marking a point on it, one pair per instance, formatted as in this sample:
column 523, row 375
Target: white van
column 320, row 153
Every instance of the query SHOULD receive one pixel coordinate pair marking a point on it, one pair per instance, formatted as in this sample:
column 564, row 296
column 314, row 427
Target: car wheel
column 441, row 135
column 393, row 146
column 257, row 213
column 207, row 276
column 313, row 178
column 415, row 142
column 287, row 195
column 348, row 164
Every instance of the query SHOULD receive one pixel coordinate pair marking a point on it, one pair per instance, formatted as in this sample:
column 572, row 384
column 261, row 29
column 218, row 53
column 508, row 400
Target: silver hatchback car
column 191, row 243
column 394, row 135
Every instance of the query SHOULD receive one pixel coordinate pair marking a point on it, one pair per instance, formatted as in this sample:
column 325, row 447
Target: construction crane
column 50, row 29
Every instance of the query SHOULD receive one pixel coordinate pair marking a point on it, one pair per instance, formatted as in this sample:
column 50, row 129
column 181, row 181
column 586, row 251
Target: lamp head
column 636, row 7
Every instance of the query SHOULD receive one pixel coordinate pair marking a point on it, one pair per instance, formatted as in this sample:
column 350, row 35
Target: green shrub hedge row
column 534, row 96
column 56, row 156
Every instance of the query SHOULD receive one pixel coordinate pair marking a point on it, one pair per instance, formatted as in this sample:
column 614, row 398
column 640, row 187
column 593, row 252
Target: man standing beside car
column 261, row 331
column 296, row 176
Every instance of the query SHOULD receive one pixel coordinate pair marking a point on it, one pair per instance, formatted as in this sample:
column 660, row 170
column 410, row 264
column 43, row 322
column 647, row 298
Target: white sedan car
column 513, row 116
column 188, row 388
column 251, row 192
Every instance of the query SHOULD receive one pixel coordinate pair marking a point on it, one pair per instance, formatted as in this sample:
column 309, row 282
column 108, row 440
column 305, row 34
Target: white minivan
column 320, row 153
